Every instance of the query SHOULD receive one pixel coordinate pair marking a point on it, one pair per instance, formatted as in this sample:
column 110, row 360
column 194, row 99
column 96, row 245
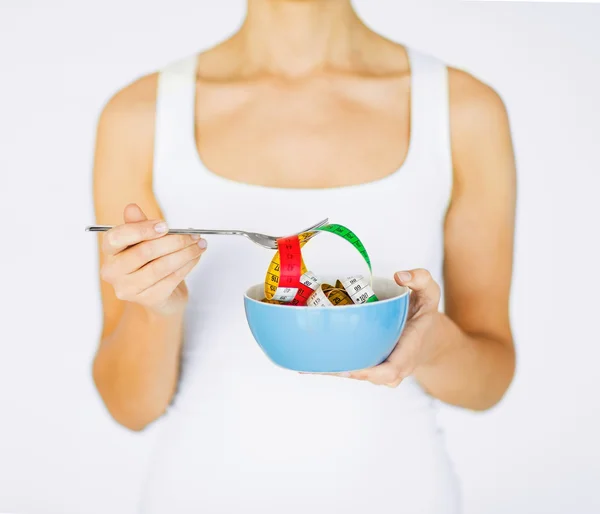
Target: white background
column 538, row 452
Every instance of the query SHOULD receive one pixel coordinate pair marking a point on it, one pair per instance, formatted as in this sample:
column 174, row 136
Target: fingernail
column 344, row 374
column 195, row 237
column 161, row 228
column 202, row 243
column 404, row 276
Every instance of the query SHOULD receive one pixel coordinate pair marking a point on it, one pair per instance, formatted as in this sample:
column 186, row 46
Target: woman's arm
column 476, row 357
column 136, row 367
column 466, row 357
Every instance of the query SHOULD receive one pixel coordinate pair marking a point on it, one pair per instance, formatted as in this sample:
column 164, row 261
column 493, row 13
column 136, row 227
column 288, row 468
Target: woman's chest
column 305, row 139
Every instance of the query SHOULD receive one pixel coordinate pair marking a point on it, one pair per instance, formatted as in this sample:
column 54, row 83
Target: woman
column 302, row 114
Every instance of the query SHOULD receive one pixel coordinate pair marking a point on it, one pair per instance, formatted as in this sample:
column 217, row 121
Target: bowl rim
column 406, row 291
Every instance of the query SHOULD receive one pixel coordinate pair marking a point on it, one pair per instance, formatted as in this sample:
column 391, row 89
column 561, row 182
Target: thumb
column 425, row 289
column 133, row 213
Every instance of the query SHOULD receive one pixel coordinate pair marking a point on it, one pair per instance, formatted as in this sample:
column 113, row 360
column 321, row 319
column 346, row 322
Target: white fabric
column 243, row 435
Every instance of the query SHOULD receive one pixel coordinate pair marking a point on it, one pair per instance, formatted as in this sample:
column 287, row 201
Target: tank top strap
column 430, row 110
column 175, row 112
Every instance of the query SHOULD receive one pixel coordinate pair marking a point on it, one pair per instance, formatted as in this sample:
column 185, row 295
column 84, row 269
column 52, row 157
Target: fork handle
column 200, row 231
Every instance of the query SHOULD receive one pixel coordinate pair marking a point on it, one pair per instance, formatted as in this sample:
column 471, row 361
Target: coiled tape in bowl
column 288, row 282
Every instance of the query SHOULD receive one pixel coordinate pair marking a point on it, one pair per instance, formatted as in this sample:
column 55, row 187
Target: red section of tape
column 302, row 295
column 290, row 261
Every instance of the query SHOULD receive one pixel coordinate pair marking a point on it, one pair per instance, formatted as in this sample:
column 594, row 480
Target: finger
column 165, row 287
column 137, row 256
column 161, row 268
column 420, row 281
column 123, row 236
column 399, row 365
column 133, row 213
column 384, row 374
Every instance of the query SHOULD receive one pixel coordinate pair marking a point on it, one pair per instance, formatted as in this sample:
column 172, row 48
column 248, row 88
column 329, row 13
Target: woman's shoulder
column 465, row 88
column 480, row 133
column 473, row 103
column 134, row 101
column 126, row 121
column 471, row 95
column 125, row 135
column 478, row 115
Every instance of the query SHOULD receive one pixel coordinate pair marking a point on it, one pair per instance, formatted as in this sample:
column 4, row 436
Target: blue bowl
column 329, row 339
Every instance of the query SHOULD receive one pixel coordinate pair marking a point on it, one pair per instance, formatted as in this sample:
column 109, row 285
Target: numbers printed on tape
column 359, row 289
column 282, row 282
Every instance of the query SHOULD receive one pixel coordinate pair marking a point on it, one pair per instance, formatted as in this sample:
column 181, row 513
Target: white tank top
column 243, row 435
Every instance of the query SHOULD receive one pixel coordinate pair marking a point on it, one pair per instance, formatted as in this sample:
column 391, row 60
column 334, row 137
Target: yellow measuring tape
column 294, row 285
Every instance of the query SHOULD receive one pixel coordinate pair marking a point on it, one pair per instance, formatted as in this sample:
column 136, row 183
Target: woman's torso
column 243, row 435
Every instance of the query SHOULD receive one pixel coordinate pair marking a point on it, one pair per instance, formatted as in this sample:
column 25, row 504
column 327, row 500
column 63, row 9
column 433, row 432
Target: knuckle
column 378, row 378
column 155, row 271
column 144, row 251
column 106, row 273
column 424, row 275
column 121, row 293
column 183, row 241
column 110, row 240
column 388, row 373
column 400, row 375
column 161, row 267
column 145, row 231
column 406, row 370
column 390, row 376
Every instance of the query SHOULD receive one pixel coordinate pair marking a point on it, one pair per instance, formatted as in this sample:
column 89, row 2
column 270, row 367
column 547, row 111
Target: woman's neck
column 296, row 37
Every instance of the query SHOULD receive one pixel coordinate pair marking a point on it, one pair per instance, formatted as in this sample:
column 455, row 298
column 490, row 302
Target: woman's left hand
column 416, row 346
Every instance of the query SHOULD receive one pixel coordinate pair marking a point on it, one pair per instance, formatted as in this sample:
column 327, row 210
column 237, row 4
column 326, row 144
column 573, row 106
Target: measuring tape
column 328, row 296
column 293, row 284
column 288, row 282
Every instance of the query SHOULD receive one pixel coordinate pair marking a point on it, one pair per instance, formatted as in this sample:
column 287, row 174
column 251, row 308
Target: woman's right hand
column 147, row 266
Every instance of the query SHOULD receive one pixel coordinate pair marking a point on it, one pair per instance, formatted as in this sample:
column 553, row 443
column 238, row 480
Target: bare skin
column 308, row 77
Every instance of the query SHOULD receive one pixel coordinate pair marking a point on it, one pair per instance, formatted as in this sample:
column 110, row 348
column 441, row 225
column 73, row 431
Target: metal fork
column 263, row 240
